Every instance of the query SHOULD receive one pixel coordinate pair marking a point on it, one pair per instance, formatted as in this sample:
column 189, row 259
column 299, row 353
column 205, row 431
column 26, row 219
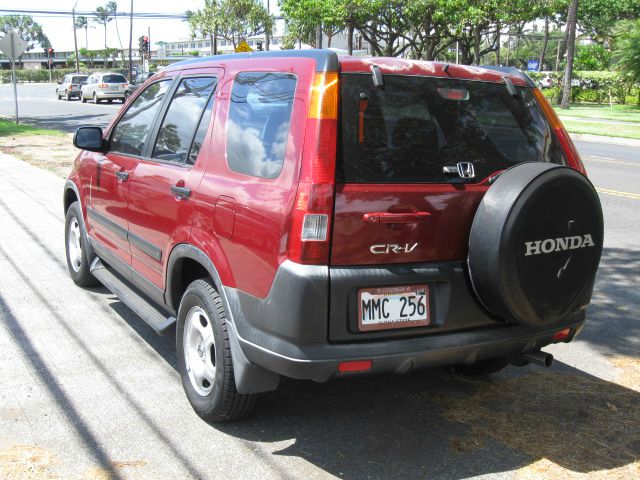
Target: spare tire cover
column 535, row 244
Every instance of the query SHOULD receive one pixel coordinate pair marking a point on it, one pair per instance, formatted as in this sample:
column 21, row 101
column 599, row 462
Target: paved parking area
column 89, row 391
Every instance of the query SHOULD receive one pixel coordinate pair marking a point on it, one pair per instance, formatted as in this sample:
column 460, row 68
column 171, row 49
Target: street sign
column 12, row 45
column 243, row 46
column 532, row 65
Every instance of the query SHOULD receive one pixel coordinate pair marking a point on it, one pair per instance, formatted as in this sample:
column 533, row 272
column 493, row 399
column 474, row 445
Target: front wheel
column 204, row 356
column 78, row 260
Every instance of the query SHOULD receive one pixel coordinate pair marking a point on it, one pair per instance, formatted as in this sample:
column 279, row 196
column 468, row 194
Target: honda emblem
column 466, row 170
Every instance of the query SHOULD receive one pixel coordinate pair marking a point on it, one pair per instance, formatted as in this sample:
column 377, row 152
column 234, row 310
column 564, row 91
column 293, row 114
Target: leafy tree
column 243, row 18
column 83, row 23
column 205, row 22
column 597, row 18
column 627, row 51
column 27, row 28
column 102, row 16
column 591, row 57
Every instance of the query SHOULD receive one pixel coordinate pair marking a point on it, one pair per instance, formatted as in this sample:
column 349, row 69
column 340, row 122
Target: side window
column 131, row 134
column 181, row 121
column 258, row 123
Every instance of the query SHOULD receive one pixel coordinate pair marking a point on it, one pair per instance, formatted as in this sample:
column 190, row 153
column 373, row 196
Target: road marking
column 634, row 196
column 593, row 158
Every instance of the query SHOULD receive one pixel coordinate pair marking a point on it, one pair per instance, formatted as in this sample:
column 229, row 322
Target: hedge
column 42, row 75
column 594, row 87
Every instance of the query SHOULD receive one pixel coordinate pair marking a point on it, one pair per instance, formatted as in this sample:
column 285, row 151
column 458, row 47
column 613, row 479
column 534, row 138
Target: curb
column 584, row 137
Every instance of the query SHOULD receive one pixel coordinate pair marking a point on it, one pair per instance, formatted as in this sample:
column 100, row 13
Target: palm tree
column 572, row 16
column 83, row 22
column 103, row 17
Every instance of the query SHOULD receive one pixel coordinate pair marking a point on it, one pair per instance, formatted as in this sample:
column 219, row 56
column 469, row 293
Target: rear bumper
column 288, row 332
column 102, row 95
column 402, row 356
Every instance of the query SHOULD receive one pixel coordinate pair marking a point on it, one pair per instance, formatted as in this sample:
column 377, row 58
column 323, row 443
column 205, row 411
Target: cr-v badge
column 392, row 248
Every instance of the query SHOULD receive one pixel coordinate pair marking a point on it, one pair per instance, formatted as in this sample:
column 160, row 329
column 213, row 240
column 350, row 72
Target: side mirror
column 90, row 138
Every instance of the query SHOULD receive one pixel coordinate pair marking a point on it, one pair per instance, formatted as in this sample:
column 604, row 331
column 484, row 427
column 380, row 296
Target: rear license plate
column 385, row 308
column 114, row 87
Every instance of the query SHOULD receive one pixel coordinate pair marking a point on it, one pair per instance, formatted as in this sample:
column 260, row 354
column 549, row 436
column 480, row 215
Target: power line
column 53, row 13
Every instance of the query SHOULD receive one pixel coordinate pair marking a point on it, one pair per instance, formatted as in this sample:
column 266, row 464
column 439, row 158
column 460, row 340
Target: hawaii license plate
column 384, row 308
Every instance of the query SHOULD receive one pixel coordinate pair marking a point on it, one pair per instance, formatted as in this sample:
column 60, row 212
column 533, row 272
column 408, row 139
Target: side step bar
column 132, row 299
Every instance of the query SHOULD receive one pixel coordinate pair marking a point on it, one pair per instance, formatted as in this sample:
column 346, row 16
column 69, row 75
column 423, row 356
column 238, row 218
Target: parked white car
column 104, row 86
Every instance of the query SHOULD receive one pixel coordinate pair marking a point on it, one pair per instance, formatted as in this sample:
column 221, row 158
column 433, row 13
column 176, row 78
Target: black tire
column 80, row 270
column 223, row 403
column 83, row 99
column 68, row 97
column 535, row 244
column 483, row 367
column 110, row 100
column 95, row 98
column 58, row 95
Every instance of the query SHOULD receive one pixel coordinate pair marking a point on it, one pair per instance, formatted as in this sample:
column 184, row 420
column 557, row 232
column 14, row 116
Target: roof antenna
column 377, row 76
column 446, row 69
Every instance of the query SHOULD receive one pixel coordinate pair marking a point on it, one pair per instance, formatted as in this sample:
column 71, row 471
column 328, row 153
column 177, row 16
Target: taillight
column 103, row 85
column 310, row 233
column 125, row 85
column 561, row 134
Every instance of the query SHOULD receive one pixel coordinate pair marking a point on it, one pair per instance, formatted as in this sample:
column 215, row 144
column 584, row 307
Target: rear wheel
column 83, row 99
column 204, row 356
column 95, row 98
column 68, row 97
column 78, row 260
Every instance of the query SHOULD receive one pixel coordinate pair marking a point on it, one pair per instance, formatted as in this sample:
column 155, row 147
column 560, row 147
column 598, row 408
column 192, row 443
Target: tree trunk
column 319, row 37
column 545, row 42
column 105, row 36
column 476, row 45
column 350, row 39
column 571, row 46
column 498, row 35
column 213, row 45
column 562, row 47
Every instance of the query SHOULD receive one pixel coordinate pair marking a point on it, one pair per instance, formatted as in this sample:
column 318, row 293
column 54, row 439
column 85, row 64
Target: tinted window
column 182, row 118
column 132, row 131
column 78, row 79
column 409, row 130
column 258, row 124
column 114, row 79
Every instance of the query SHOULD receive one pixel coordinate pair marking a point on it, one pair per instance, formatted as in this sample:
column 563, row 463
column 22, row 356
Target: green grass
column 607, row 130
column 9, row 128
column 626, row 113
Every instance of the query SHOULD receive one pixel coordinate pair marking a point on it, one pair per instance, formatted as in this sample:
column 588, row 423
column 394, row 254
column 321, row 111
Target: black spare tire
column 535, row 244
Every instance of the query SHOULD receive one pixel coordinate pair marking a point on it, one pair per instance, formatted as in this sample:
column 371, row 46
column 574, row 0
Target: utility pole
column 75, row 38
column 130, row 40
column 148, row 52
column 267, row 33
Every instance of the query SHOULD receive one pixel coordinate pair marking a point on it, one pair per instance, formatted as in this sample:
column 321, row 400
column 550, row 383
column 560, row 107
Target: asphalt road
column 39, row 106
column 89, row 391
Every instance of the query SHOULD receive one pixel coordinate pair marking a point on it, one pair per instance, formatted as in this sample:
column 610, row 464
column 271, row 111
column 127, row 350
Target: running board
column 132, row 299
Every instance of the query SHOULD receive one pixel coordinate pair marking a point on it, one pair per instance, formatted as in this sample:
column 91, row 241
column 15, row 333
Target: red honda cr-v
column 304, row 215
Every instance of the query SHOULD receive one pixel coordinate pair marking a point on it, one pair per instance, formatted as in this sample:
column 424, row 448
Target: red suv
column 311, row 216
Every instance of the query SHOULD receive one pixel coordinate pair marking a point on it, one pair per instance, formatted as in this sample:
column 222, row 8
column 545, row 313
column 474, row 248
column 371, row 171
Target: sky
column 60, row 32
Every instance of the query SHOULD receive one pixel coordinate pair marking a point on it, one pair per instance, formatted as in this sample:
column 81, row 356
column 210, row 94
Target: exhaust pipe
column 539, row 357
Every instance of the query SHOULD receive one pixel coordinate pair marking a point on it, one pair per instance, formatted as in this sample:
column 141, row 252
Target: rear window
column 411, row 128
column 78, row 79
column 114, row 79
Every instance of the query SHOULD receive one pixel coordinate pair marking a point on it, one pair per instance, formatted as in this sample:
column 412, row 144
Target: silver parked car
column 69, row 87
column 104, row 86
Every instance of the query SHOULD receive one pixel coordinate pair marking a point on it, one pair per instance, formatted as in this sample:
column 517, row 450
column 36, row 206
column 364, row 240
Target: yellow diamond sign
column 243, row 46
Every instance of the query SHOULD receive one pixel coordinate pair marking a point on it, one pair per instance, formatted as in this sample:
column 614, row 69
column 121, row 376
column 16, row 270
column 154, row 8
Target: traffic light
column 259, row 46
column 141, row 44
column 50, row 52
column 145, row 44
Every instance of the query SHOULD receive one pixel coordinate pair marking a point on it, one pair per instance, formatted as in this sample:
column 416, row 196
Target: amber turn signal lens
column 324, row 96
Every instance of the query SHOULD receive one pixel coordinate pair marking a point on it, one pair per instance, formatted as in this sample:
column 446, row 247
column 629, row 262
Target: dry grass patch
column 52, row 152
column 573, row 425
column 27, row 462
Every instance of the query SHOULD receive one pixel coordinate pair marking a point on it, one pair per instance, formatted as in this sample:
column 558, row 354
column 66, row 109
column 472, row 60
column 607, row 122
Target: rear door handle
column 386, row 217
column 182, row 192
column 122, row 176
